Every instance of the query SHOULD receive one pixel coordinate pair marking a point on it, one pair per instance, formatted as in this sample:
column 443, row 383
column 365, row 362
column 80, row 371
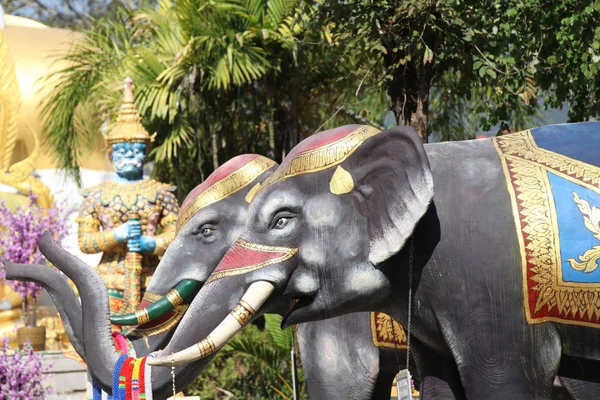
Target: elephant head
column 321, row 231
column 211, row 217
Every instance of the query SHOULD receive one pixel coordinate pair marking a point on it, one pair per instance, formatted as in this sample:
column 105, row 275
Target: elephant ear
column 394, row 187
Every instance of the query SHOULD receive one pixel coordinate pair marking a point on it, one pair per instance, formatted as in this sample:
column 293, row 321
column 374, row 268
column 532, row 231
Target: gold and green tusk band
column 159, row 308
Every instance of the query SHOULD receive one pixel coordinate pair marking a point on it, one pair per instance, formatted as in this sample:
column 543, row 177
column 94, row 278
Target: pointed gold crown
column 129, row 127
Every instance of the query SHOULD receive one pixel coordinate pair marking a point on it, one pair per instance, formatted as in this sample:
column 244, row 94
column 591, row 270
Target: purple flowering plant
column 21, row 373
column 20, row 233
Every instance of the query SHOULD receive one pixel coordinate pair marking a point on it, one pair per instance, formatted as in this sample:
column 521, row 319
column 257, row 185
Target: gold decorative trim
column 232, row 183
column 521, row 145
column 262, row 247
column 152, row 297
column 289, row 253
column 174, row 297
column 242, row 313
column 206, row 347
column 129, row 127
column 179, row 311
column 526, row 168
column 149, row 189
column 251, row 193
column 386, row 332
column 142, row 316
column 323, row 157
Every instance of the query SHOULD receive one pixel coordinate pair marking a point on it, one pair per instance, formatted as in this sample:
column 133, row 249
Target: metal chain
column 173, row 376
column 411, row 255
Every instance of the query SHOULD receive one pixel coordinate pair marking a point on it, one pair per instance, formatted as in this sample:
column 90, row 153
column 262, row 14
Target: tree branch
column 357, row 117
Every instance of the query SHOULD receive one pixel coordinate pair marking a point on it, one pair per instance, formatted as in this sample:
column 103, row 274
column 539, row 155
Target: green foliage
column 214, row 79
column 218, row 78
column 252, row 366
column 496, row 57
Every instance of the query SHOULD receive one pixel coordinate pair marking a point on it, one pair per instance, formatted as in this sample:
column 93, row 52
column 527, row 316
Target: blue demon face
column 128, row 159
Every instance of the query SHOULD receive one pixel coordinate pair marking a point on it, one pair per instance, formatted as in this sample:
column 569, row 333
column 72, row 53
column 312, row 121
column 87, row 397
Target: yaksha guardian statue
column 130, row 219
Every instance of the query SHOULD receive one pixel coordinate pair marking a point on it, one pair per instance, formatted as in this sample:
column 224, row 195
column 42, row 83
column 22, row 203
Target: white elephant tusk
column 252, row 300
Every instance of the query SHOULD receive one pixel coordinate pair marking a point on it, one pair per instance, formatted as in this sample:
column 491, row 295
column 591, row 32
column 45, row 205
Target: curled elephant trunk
column 58, row 288
column 158, row 309
column 239, row 317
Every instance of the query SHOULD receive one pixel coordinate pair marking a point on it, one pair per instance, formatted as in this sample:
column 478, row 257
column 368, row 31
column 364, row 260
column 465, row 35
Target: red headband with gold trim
column 321, row 151
column 229, row 178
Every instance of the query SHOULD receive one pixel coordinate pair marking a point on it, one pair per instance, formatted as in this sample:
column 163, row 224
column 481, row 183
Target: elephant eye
column 205, row 230
column 281, row 222
column 281, row 219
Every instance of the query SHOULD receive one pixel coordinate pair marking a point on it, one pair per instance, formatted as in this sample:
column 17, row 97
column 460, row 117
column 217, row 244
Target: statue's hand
column 128, row 231
column 133, row 245
column 142, row 244
column 147, row 244
column 121, row 232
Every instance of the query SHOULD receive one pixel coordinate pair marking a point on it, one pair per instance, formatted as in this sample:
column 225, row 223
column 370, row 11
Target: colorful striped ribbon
column 116, row 376
column 120, row 343
column 135, row 379
column 142, row 381
column 125, row 379
column 97, row 392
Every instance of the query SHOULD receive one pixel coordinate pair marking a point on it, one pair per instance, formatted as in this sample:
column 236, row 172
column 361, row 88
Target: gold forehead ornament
column 226, row 187
column 324, row 157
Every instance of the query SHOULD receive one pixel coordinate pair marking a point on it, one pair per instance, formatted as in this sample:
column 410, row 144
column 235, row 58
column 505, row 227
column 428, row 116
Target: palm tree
column 275, row 357
column 194, row 64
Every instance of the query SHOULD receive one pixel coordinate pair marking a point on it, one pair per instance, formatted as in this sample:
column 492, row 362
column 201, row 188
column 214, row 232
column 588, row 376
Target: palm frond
column 281, row 337
column 101, row 50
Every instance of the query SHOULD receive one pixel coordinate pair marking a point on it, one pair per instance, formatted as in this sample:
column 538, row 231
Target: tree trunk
column 271, row 152
column 215, row 149
column 409, row 91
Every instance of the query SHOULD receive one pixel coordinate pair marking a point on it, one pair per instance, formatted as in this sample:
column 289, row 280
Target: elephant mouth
column 300, row 305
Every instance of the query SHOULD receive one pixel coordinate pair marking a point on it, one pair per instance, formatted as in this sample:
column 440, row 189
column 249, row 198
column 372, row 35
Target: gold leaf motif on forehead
column 323, row 157
column 225, row 188
column 341, row 181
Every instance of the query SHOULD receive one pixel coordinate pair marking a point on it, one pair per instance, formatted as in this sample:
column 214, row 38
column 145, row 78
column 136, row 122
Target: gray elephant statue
column 501, row 262
column 363, row 355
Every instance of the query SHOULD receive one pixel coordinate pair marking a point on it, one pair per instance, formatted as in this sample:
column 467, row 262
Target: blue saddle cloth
column 579, row 141
column 553, row 178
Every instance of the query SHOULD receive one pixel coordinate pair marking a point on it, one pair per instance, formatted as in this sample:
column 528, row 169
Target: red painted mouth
column 244, row 257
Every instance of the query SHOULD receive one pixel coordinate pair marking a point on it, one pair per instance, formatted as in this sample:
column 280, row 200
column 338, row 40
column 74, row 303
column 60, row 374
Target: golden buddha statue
column 16, row 175
column 130, row 219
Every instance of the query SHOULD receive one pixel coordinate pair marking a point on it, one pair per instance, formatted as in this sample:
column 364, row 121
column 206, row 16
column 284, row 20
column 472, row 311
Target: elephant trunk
column 59, row 290
column 239, row 317
column 100, row 352
column 158, row 309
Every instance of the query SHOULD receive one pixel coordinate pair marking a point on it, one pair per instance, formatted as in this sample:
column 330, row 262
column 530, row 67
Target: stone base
column 66, row 377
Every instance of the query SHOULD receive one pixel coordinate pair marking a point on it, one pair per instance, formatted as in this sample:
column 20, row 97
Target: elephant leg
column 339, row 360
column 521, row 366
column 389, row 365
column 581, row 390
column 438, row 375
